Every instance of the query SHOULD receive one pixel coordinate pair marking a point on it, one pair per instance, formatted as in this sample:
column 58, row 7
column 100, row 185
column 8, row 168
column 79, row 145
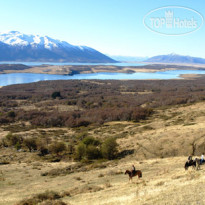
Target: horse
column 192, row 163
column 133, row 174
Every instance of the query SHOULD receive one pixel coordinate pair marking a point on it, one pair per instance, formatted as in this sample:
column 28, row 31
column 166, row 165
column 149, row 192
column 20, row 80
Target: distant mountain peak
column 173, row 54
column 16, row 38
column 16, row 46
column 175, row 58
column 14, row 32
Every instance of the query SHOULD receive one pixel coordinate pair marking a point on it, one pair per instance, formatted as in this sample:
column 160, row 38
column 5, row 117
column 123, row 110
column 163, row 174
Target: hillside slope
column 168, row 132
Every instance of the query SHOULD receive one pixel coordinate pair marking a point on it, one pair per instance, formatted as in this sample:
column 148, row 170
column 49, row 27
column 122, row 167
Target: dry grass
column 170, row 132
column 162, row 179
column 155, row 142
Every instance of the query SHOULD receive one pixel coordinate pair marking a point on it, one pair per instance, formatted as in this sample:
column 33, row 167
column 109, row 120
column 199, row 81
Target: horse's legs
column 197, row 166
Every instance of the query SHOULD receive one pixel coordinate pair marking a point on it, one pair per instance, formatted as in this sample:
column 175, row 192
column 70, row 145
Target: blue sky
column 113, row 27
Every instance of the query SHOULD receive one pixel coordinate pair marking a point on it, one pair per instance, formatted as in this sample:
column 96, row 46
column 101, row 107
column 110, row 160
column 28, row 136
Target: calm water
column 19, row 78
column 50, row 63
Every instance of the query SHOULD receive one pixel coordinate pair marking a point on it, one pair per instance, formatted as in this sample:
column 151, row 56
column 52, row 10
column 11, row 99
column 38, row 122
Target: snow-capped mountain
column 16, row 46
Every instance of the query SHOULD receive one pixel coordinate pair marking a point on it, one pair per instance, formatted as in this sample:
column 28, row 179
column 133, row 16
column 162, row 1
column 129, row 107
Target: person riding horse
column 194, row 163
column 189, row 158
column 133, row 170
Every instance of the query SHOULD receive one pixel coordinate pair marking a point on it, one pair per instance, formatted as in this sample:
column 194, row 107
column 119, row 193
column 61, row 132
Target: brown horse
column 192, row 163
column 131, row 174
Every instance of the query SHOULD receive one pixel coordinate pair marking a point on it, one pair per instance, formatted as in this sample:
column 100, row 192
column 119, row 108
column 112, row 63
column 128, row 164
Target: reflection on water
column 19, row 78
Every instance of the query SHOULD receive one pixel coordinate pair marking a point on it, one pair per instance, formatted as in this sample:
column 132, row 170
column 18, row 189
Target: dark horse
column 192, row 163
column 133, row 174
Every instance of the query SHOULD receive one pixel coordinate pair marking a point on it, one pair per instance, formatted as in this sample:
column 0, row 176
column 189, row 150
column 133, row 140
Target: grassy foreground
column 164, row 182
column 158, row 146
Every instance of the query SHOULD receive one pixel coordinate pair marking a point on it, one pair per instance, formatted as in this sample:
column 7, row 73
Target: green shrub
column 92, row 152
column 30, row 143
column 88, row 149
column 80, row 151
column 91, row 141
column 12, row 140
column 42, row 146
column 109, row 148
column 91, row 148
column 57, row 148
column 18, row 146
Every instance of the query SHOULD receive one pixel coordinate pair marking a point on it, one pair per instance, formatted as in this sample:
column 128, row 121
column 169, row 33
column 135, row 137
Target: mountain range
column 174, row 58
column 16, row 46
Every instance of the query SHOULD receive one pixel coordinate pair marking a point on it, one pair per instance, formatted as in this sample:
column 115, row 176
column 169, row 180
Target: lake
column 19, row 78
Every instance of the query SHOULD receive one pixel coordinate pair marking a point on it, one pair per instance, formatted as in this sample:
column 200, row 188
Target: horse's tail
column 186, row 166
column 140, row 174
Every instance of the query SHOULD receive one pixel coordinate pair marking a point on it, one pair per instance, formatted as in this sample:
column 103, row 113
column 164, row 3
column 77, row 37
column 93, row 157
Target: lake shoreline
column 27, row 74
column 89, row 69
column 23, row 78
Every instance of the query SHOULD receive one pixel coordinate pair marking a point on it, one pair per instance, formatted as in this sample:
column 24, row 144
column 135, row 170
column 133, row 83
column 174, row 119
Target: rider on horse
column 189, row 158
column 133, row 169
